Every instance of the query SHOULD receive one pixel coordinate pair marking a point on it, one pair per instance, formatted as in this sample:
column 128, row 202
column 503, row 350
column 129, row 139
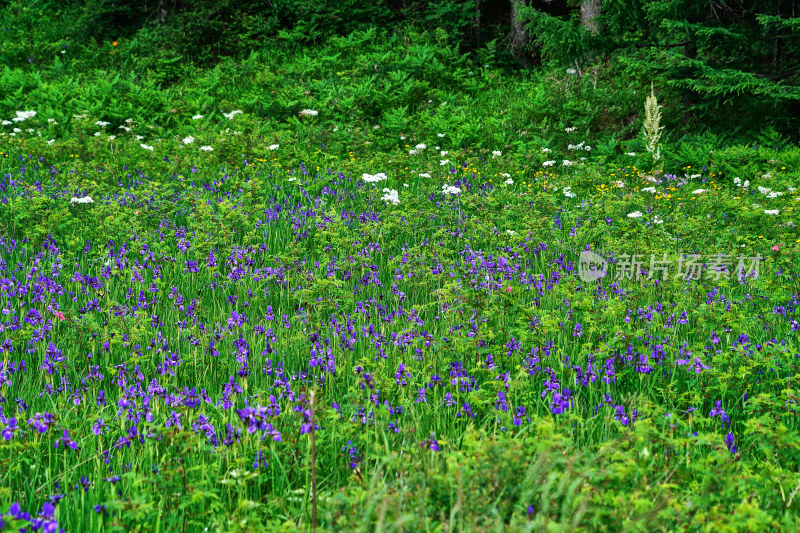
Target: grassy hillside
column 343, row 287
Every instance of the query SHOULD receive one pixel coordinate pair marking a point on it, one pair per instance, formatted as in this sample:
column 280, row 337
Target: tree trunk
column 519, row 37
column 589, row 11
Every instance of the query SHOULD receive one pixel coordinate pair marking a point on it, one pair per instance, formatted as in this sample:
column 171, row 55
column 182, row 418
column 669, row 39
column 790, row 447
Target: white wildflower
column 51, row 141
column 635, row 214
column 566, row 163
column 443, row 162
column 450, row 189
column 570, row 130
column 146, row 147
column 126, row 128
column 546, row 150
column 505, row 175
column 618, row 184
column 97, row 134
column 206, row 148
column 372, row 178
column 657, row 220
column 232, row 114
column 772, row 211
column 420, row 146
column 651, row 190
column 308, row 113
column 139, row 137
column 274, row 146
column 188, row 140
column 102, row 123
column 496, row 153
column 24, row 115
column 6, row 122
column 510, row 232
column 509, row 181
column 440, row 135
column 548, row 163
column 443, row 153
column 424, row 175
column 699, row 191
column 197, row 117
column 391, row 196
column 632, row 154
column 84, row 200
column 112, row 137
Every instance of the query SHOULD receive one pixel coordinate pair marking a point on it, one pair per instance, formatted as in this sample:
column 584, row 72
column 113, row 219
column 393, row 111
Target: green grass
column 298, row 231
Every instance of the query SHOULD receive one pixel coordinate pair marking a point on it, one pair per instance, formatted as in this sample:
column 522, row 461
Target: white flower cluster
column 496, row 153
column 548, row 163
column 206, row 148
column 635, row 214
column 188, row 140
column 570, row 130
column 657, row 220
column 102, row 123
column 197, row 117
column 23, row 116
column 391, row 196
column 509, row 181
column 699, row 191
column 84, row 200
column 273, row 146
column 579, row 146
column 649, row 189
column 146, row 147
column 424, row 175
column 619, row 184
column 566, row 163
column 771, row 211
column 450, row 189
column 444, row 162
column 510, row 232
column 308, row 113
column 440, row 135
column 546, row 150
column 632, row 154
column 373, row 178
column 568, row 192
column 769, row 193
column 232, row 114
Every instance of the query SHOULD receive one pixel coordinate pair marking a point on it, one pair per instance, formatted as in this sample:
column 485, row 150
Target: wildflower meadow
column 376, row 282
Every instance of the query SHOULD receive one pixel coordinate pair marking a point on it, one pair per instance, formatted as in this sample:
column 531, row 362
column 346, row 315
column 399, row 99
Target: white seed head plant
column 652, row 127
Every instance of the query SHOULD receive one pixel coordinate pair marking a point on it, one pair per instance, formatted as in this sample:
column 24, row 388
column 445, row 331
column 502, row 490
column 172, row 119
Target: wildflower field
column 230, row 309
